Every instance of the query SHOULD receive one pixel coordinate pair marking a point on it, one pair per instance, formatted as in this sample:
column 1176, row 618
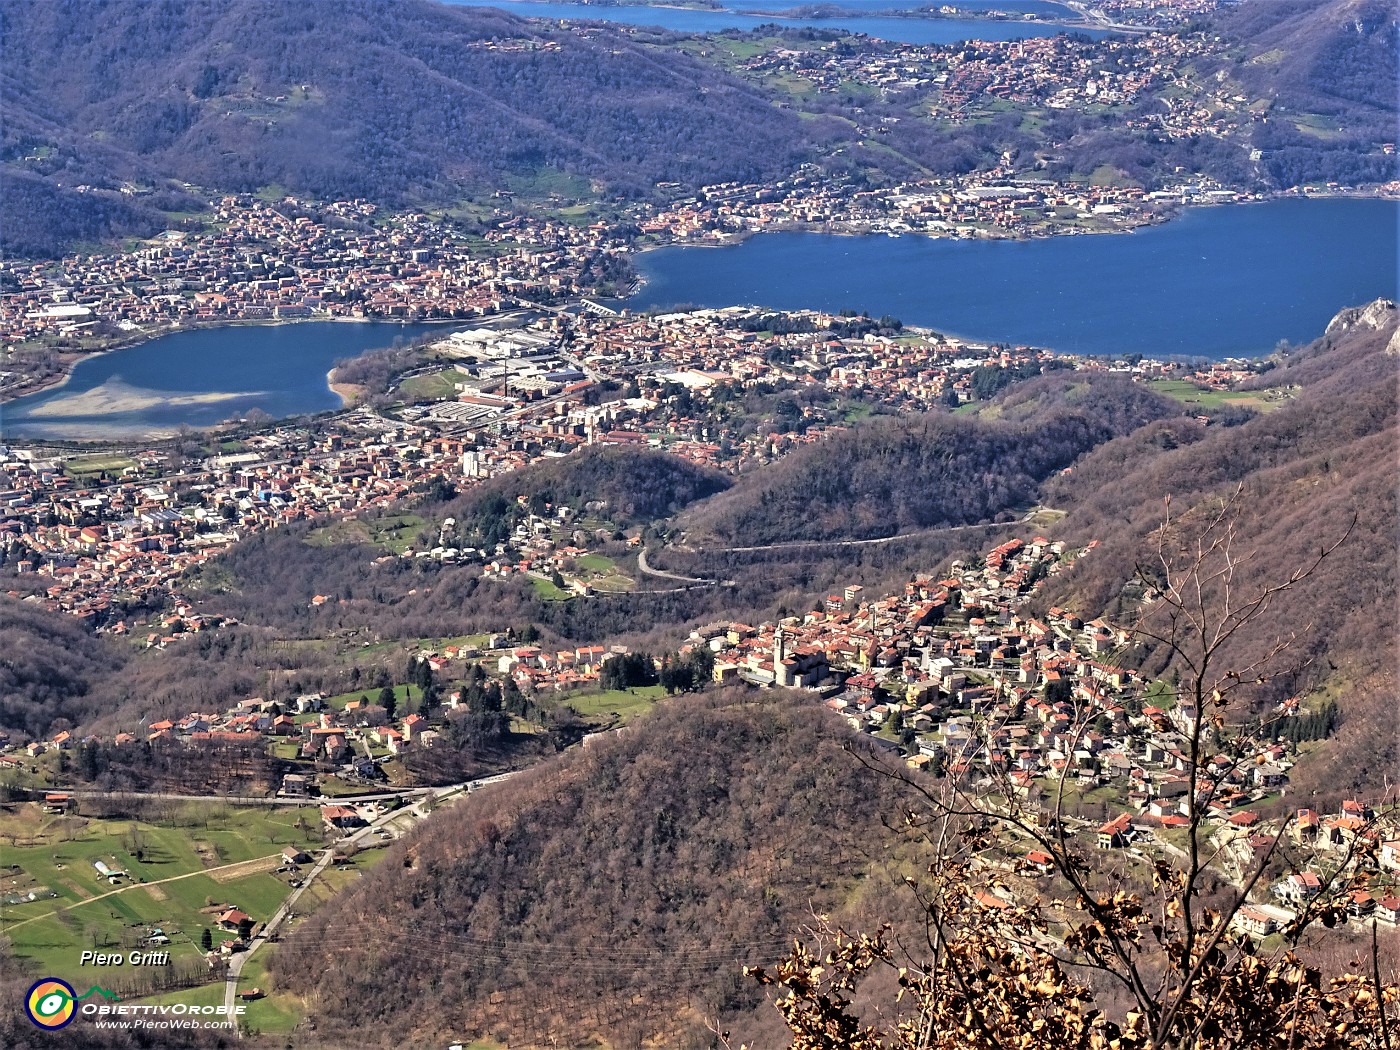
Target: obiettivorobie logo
column 52, row 1003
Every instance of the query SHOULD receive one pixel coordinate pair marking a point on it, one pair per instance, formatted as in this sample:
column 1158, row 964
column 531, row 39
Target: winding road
column 691, row 581
column 801, row 544
column 252, row 800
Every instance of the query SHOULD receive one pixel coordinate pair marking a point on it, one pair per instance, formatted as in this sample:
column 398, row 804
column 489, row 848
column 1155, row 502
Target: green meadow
column 183, row 862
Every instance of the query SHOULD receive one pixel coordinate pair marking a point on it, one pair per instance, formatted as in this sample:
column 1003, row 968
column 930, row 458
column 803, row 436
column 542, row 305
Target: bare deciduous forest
column 618, row 891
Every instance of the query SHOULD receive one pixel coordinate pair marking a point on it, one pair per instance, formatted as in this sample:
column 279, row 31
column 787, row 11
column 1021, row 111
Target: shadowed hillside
column 912, row 472
column 1307, row 52
column 49, row 664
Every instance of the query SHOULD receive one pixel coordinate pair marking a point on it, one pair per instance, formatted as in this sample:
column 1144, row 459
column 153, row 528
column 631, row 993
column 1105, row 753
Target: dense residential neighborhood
column 290, row 260
column 462, row 585
column 122, row 539
column 954, row 671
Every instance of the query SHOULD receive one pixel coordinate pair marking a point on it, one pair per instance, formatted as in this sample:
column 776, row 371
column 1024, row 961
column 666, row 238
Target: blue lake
column 858, row 16
column 1216, row 282
column 199, row 378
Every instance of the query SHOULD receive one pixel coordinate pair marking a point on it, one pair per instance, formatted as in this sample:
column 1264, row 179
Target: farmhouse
column 232, row 918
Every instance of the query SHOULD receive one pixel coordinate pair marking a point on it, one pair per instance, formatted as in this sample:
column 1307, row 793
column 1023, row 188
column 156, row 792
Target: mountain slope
column 615, row 892
column 1303, row 474
column 1304, row 52
column 1321, row 75
column 50, row 665
column 393, row 101
column 116, row 106
column 910, row 472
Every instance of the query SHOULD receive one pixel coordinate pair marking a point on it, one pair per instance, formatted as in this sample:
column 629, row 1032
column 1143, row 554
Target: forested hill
column 626, row 486
column 616, row 893
column 395, row 101
column 1304, row 51
column 1303, row 472
column 49, row 663
column 408, row 102
column 909, row 472
column 1324, row 72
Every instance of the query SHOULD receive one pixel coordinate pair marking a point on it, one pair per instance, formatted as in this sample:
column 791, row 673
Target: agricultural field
column 1193, row 395
column 276, row 1012
column 601, row 573
column 614, row 705
column 1160, row 694
column 549, row 591
column 594, row 570
column 371, row 651
column 182, row 863
column 405, row 695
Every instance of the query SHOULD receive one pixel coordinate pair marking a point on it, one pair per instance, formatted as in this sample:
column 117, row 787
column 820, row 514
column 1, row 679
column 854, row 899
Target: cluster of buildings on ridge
column 1057, row 72
column 1160, row 14
column 109, row 549
column 952, row 671
column 351, row 738
column 955, row 671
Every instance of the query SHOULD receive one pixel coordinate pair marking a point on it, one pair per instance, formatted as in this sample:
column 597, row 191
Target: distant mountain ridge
column 111, row 109
column 398, row 102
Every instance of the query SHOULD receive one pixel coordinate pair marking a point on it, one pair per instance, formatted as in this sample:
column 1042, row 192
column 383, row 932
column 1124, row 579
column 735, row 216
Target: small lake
column 857, row 16
column 203, row 377
column 1217, row 282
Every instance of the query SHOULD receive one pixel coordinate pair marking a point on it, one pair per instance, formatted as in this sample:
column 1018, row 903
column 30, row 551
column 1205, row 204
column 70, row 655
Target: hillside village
column 953, row 672
column 1054, row 71
column 197, row 835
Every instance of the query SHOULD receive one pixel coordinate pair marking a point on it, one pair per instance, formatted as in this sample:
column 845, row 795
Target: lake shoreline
column 136, row 339
column 890, row 23
column 1188, row 289
column 349, row 393
column 982, row 267
column 1169, row 214
column 208, row 376
column 1071, row 21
